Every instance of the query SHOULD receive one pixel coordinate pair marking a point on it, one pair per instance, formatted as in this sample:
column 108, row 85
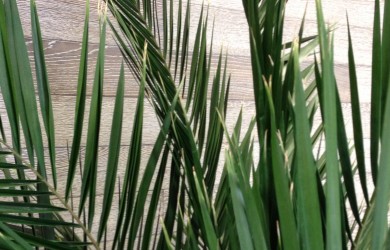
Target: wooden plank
column 62, row 167
column 62, row 58
column 230, row 23
column 63, row 109
column 52, row 14
column 62, row 151
column 364, row 82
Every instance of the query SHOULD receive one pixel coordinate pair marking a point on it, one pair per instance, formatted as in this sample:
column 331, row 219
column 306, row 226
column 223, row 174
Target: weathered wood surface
column 62, row 41
column 62, row 24
column 63, row 109
column 63, row 60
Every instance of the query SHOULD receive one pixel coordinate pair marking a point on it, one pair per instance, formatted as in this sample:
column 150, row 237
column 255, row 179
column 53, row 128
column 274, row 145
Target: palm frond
column 288, row 184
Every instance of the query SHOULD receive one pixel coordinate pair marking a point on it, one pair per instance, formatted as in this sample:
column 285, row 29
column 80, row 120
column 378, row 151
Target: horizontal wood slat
column 63, row 109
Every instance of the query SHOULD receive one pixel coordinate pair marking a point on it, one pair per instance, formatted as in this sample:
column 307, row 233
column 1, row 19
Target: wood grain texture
column 62, row 43
column 63, row 59
column 230, row 23
column 63, row 109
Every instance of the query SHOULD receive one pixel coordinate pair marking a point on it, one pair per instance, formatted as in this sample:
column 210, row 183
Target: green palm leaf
column 194, row 189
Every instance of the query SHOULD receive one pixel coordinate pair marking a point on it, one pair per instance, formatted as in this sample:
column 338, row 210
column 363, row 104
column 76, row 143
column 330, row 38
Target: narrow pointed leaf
column 21, row 243
column 13, row 207
column 376, row 93
column 80, row 106
column 88, row 188
column 289, row 234
column 43, row 88
column 113, row 155
column 333, row 211
column 356, row 118
column 309, row 217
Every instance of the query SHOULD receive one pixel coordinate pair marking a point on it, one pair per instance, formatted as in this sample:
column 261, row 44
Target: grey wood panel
column 62, row 167
column 63, row 109
column 103, row 151
column 62, row 151
column 62, row 44
column 63, row 58
column 230, row 23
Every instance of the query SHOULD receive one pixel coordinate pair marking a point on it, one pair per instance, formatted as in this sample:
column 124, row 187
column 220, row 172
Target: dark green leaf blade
column 34, row 221
column 113, row 155
column 289, row 233
column 80, row 106
column 356, row 117
column 14, row 207
column 309, row 217
column 20, row 242
column 91, row 153
column 333, row 211
column 376, row 93
column 43, row 88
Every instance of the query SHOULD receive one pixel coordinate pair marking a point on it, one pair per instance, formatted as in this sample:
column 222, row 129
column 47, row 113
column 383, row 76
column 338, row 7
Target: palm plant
column 268, row 189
